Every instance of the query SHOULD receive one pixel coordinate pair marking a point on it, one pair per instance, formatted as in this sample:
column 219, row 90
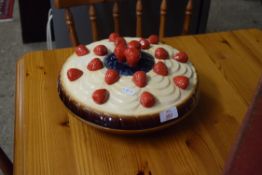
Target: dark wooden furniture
column 5, row 164
column 62, row 4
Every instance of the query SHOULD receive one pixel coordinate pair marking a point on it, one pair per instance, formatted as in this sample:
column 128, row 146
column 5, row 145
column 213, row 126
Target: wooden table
column 48, row 140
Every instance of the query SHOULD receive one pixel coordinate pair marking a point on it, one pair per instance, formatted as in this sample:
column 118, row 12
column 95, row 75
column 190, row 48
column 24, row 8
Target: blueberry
column 145, row 64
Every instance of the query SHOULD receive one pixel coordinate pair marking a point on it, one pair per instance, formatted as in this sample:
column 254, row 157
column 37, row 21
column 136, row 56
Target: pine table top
column 49, row 140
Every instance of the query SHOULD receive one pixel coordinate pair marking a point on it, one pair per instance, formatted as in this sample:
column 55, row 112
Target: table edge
column 19, row 110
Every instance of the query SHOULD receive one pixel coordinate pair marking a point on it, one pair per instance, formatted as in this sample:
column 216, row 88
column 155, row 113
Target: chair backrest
column 67, row 4
column 5, row 164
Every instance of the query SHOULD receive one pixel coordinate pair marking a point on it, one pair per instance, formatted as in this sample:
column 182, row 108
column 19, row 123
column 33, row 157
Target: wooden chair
column 5, row 164
column 67, row 4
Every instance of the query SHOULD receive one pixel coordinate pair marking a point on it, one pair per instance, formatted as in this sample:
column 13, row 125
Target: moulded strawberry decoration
column 144, row 43
column 111, row 76
column 120, row 52
column 120, row 40
column 95, row 64
column 134, row 44
column 139, row 78
column 81, row 50
column 74, row 73
column 147, row 99
column 160, row 68
column 100, row 96
column 132, row 56
column 181, row 57
column 161, row 53
column 113, row 36
column 100, row 50
column 153, row 39
column 181, row 81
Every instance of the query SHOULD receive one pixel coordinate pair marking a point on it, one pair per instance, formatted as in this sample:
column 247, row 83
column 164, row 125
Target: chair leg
column 5, row 164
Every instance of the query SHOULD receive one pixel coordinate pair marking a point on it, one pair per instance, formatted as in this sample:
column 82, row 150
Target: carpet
column 6, row 10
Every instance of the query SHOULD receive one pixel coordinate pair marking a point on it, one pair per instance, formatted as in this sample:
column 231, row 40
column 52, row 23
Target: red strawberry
column 139, row 78
column 74, row 73
column 132, row 56
column 120, row 53
column 113, row 36
column 147, row 99
column 144, row 44
column 153, row 39
column 111, row 76
column 95, row 64
column 181, row 57
column 134, row 44
column 81, row 50
column 100, row 50
column 160, row 68
column 120, row 40
column 161, row 53
column 181, row 81
column 100, row 96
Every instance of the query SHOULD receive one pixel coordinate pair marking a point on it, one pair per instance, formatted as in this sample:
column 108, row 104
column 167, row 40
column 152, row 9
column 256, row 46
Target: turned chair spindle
column 116, row 17
column 187, row 19
column 92, row 17
column 139, row 9
column 163, row 8
column 67, row 4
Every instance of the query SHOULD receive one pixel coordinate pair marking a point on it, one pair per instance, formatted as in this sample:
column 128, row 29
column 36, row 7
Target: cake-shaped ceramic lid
column 131, row 84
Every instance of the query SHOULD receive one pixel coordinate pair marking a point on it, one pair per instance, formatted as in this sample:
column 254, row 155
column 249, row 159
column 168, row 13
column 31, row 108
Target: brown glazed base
column 115, row 123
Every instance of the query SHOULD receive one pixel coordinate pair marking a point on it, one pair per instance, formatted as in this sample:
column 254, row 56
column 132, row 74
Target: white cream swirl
column 124, row 97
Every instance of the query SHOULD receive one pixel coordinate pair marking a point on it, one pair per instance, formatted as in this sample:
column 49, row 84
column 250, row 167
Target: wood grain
column 46, row 143
column 116, row 17
column 92, row 17
column 43, row 136
column 228, row 48
column 163, row 9
column 187, row 17
column 139, row 11
column 71, row 27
